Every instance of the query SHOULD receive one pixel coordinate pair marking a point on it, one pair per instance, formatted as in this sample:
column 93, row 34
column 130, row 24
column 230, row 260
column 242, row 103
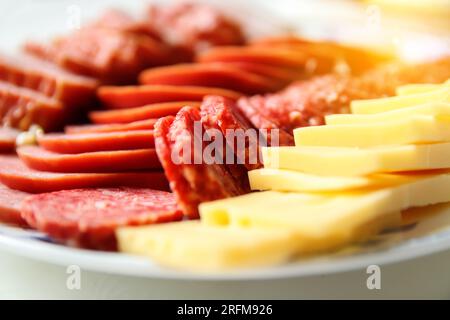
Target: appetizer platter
column 172, row 144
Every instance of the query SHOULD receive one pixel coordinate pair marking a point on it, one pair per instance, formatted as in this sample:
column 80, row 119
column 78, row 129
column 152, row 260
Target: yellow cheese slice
column 194, row 246
column 430, row 109
column 416, row 88
column 385, row 104
column 355, row 161
column 295, row 181
column 322, row 221
column 417, row 129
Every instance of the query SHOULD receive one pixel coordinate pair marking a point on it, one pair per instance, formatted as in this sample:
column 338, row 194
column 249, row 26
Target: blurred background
column 417, row 29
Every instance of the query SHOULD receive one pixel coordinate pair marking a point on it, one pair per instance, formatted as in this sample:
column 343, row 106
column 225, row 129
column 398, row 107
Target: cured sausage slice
column 10, row 204
column 191, row 179
column 103, row 161
column 136, row 96
column 20, row 108
column 88, row 218
column 220, row 75
column 157, row 110
column 16, row 175
column 113, row 127
column 26, row 71
column 92, row 142
column 8, row 139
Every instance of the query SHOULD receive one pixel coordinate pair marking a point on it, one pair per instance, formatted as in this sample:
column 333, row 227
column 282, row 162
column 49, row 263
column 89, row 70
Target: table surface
column 423, row 278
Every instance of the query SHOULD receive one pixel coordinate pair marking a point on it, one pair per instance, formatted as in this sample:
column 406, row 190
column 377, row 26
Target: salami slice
column 113, row 127
column 88, row 218
column 16, row 175
column 150, row 111
column 10, row 204
column 8, row 139
column 103, row 161
column 26, row 71
column 136, row 96
column 219, row 75
column 192, row 183
column 92, row 142
column 20, row 108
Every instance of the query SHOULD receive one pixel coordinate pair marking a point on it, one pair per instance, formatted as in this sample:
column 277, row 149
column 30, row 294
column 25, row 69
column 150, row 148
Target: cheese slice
column 417, row 129
column 430, row 109
column 355, row 161
column 417, row 88
column 191, row 245
column 295, row 181
column 322, row 221
column 370, row 106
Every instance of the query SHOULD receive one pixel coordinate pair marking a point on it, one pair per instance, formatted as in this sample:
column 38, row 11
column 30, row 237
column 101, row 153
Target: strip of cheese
column 385, row 104
column 295, row 181
column 417, row 129
column 321, row 221
column 355, row 161
column 417, row 88
column 191, row 245
column 430, row 109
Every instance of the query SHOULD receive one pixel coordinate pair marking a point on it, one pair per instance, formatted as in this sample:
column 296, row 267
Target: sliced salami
column 113, row 127
column 8, row 139
column 192, row 183
column 16, row 175
column 88, row 218
column 92, row 142
column 10, row 204
column 103, row 161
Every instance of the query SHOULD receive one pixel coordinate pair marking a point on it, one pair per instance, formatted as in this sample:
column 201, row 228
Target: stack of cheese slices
column 342, row 183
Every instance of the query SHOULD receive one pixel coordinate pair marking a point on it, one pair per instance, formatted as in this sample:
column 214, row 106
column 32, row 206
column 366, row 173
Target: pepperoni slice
column 156, row 110
column 191, row 179
column 8, row 139
column 136, row 96
column 103, row 161
column 88, row 218
column 21, row 107
column 220, row 75
column 16, row 175
column 113, row 127
column 10, row 204
column 91, row 142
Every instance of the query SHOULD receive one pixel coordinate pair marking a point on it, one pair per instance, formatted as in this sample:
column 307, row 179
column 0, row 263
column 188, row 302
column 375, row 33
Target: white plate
column 431, row 234
column 33, row 20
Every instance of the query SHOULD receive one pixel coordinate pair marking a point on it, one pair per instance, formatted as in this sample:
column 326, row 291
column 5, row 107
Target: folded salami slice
column 113, row 127
column 157, row 110
column 180, row 149
column 219, row 75
column 136, row 96
column 71, row 90
column 103, row 161
column 10, row 204
column 92, row 142
column 20, row 108
column 16, row 175
column 8, row 139
column 88, row 218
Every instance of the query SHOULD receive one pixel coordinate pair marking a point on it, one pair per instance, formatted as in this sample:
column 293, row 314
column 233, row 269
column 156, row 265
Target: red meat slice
column 16, row 175
column 136, row 96
column 8, row 139
column 88, row 218
column 218, row 75
column 222, row 114
column 25, row 71
column 20, row 108
column 113, row 127
column 103, row 161
column 156, row 110
column 91, row 142
column 192, row 183
column 10, row 204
